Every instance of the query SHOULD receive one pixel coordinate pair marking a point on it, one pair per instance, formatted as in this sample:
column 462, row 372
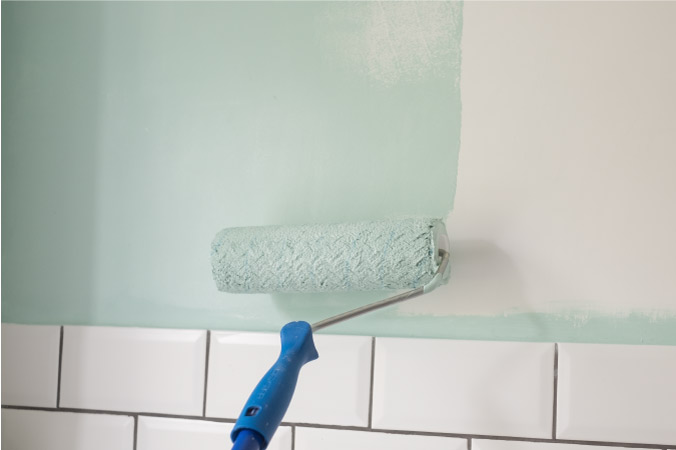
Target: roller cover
column 363, row 256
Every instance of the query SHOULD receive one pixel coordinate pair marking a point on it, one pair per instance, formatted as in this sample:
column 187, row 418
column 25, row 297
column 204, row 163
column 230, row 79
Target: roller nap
column 387, row 254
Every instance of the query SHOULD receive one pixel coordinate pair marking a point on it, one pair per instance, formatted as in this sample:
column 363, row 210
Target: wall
column 134, row 132
column 564, row 202
column 563, row 215
column 566, row 162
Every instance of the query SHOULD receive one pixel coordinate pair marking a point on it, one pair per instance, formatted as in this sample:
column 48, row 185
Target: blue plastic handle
column 248, row 440
column 269, row 401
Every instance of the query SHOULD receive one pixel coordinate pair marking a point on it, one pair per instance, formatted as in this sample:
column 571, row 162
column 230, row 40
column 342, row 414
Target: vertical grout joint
column 373, row 360
column 556, row 388
column 58, row 375
column 206, row 374
column 135, row 430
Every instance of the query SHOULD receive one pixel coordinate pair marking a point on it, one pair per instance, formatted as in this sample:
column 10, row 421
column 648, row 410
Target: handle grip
column 268, row 402
column 248, row 440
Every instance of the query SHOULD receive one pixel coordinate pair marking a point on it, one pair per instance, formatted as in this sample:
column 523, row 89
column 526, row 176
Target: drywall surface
column 134, row 131
column 123, row 155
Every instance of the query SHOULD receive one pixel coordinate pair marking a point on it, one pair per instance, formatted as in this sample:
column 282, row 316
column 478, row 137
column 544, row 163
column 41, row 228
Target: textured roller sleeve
column 387, row 254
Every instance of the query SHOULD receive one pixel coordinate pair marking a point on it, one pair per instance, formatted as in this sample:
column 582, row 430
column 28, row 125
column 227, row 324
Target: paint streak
column 257, row 314
column 640, row 328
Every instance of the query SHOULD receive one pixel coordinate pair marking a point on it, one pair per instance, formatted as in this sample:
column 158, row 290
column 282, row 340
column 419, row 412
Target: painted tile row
column 612, row 393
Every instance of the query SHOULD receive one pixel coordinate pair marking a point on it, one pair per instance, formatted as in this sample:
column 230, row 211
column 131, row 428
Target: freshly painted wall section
column 134, row 132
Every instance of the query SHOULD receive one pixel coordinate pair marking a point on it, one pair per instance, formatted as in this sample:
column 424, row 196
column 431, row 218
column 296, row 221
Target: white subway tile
column 158, row 433
column 489, row 444
column 617, row 393
column 329, row 439
column 332, row 390
column 30, row 365
column 469, row 387
column 133, row 369
column 56, row 430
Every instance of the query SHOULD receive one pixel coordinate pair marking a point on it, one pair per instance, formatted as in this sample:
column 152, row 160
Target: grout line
column 293, row 438
column 478, row 436
column 556, row 388
column 206, row 374
column 469, row 444
column 373, row 368
column 58, row 376
column 352, row 428
column 120, row 413
column 135, row 431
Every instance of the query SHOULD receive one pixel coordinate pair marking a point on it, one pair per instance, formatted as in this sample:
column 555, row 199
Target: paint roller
column 396, row 254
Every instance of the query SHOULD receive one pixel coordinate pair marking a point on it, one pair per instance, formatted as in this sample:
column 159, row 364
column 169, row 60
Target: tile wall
column 80, row 388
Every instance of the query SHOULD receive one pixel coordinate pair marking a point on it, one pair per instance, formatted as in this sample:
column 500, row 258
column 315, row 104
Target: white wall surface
column 566, row 195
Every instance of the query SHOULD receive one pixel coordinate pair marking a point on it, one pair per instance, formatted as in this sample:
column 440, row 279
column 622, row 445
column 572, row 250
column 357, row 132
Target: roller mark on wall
column 394, row 42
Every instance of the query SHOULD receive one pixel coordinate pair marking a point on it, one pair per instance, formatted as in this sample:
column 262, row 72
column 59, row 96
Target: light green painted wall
column 133, row 132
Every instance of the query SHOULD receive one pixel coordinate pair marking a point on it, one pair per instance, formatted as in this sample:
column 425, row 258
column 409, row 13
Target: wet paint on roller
column 345, row 257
